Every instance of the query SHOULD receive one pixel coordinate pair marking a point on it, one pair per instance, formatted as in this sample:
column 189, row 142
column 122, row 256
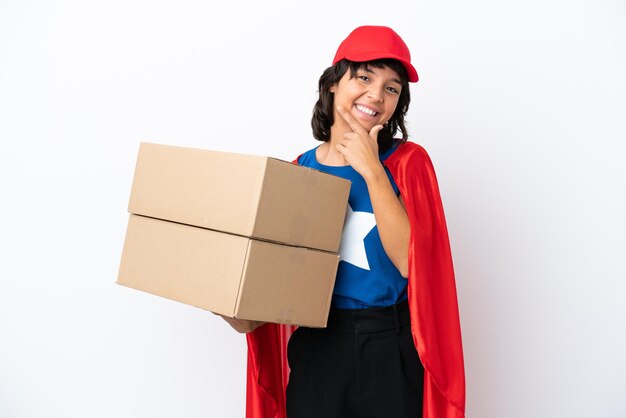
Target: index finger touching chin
column 354, row 124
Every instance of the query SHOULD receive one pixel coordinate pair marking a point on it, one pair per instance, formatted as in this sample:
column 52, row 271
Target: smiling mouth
column 366, row 110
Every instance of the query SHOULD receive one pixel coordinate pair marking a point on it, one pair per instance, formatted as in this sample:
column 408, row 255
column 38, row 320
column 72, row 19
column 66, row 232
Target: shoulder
column 412, row 169
column 408, row 152
column 306, row 158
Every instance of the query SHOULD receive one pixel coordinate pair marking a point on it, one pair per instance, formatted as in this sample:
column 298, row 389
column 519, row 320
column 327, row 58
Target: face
column 371, row 96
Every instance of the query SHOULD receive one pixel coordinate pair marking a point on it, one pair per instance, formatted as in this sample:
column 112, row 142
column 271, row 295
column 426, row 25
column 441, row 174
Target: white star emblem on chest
column 355, row 229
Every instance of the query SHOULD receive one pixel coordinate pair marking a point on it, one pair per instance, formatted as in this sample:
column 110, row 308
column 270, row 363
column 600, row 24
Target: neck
column 338, row 129
column 327, row 153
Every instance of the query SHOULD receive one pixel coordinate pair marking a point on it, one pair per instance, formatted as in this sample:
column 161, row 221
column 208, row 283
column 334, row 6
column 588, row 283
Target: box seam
column 259, row 196
column 244, row 267
column 238, row 235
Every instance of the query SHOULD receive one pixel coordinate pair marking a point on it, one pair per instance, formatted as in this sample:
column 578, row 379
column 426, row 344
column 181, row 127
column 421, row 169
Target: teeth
column 366, row 110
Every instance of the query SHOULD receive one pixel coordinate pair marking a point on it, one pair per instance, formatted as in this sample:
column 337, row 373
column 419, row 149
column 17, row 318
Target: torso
column 366, row 277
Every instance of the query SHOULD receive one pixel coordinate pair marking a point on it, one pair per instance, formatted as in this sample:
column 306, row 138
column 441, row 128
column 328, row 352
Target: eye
column 393, row 90
column 364, row 78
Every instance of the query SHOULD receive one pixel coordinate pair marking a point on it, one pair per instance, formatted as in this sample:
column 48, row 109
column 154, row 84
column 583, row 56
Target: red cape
column 432, row 302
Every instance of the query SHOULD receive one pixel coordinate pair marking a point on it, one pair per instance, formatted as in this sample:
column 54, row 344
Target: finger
column 375, row 130
column 354, row 124
column 342, row 150
column 342, row 145
column 350, row 136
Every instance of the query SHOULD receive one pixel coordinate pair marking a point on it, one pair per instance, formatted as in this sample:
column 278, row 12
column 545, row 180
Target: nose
column 375, row 93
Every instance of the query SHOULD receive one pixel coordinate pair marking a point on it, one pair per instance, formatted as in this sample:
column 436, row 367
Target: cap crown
column 367, row 43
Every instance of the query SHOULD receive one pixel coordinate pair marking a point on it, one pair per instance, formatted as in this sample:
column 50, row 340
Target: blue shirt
column 366, row 277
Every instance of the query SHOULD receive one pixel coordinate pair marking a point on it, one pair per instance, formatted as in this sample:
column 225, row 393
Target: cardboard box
column 229, row 274
column 252, row 196
column 245, row 236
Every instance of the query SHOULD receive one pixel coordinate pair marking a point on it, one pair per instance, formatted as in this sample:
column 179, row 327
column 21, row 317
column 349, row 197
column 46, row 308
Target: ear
column 333, row 88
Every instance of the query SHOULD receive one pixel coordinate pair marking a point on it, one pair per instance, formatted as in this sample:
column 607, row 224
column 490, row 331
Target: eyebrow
column 369, row 70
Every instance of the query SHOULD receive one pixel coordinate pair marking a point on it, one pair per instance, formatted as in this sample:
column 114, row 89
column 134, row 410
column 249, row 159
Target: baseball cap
column 367, row 43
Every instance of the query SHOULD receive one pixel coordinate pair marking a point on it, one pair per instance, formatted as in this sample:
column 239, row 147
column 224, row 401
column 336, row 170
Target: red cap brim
column 410, row 70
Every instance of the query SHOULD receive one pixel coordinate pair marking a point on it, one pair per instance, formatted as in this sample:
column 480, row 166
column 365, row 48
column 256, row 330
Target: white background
column 520, row 104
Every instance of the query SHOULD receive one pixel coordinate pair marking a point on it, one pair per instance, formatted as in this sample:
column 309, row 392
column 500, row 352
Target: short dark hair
column 323, row 117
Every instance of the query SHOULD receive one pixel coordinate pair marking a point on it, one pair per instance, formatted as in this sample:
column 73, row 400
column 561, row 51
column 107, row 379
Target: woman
column 366, row 362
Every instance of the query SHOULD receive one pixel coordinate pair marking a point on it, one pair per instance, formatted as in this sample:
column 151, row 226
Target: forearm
column 391, row 219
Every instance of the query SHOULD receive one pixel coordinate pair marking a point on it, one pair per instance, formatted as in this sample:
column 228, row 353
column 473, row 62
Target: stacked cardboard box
column 244, row 236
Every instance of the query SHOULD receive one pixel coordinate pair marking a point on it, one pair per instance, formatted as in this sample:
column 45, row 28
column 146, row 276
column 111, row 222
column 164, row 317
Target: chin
column 367, row 124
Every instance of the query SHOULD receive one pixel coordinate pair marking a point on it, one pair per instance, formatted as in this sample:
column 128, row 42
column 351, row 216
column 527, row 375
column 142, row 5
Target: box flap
column 287, row 284
column 314, row 213
column 210, row 189
column 192, row 265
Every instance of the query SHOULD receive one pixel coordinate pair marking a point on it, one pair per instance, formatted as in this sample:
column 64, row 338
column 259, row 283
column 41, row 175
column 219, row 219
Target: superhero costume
column 432, row 301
